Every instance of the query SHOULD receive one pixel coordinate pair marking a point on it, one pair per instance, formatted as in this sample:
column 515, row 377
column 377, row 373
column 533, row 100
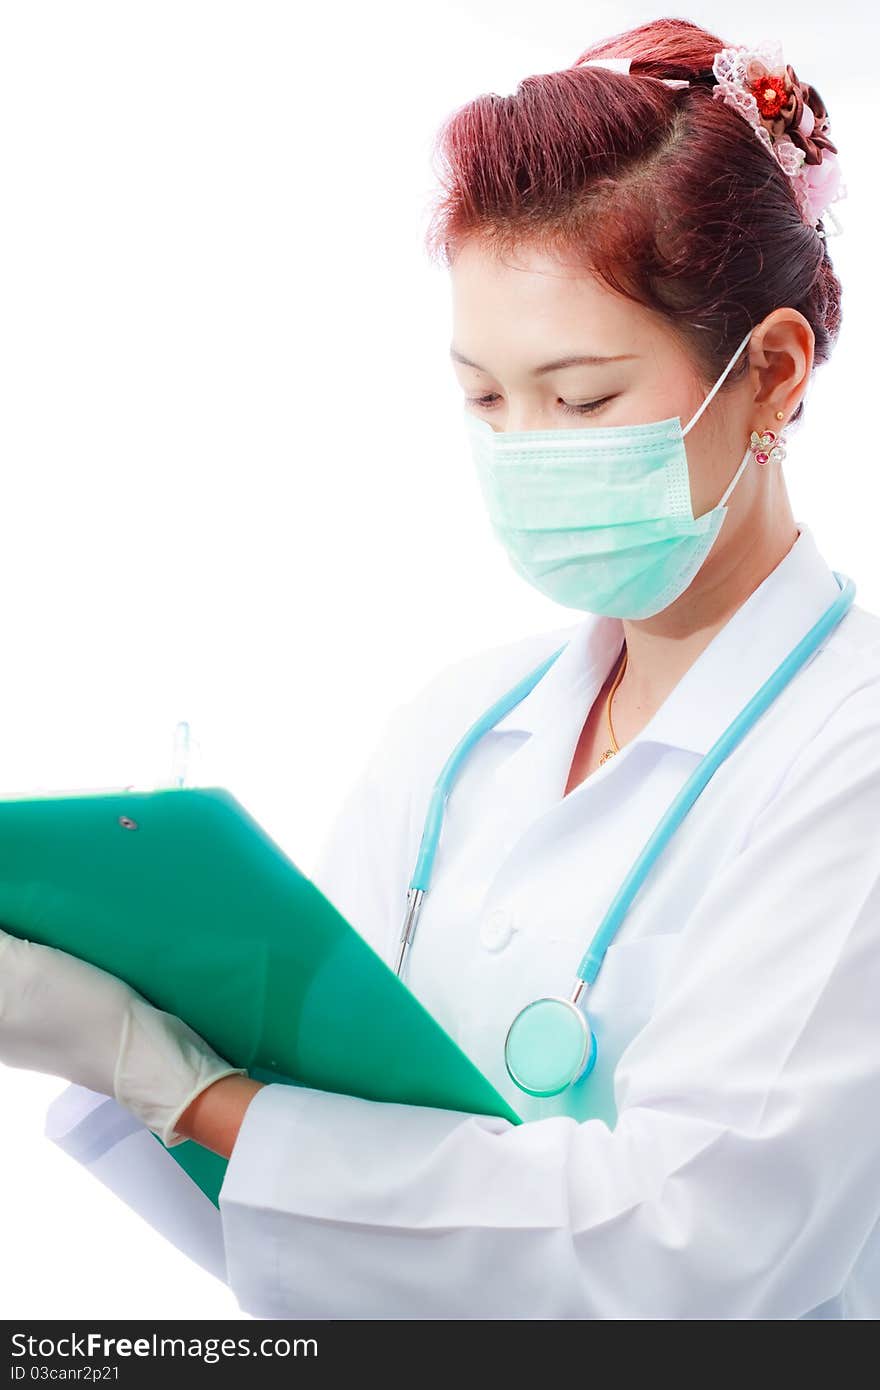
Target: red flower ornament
column 771, row 94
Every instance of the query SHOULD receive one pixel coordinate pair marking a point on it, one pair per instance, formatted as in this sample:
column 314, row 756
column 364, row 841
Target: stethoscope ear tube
column 414, row 898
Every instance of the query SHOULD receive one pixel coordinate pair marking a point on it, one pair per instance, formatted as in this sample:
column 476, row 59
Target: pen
column 180, row 756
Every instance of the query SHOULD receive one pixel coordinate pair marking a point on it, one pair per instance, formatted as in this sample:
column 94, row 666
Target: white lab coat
column 724, row 1161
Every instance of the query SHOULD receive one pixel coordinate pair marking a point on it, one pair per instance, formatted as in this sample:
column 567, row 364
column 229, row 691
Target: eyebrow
column 589, row 360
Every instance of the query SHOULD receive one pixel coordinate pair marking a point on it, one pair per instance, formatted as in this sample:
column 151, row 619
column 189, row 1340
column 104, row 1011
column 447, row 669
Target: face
column 516, row 323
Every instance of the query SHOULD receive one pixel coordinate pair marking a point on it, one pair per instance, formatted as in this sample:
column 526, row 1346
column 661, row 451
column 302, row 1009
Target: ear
column 781, row 360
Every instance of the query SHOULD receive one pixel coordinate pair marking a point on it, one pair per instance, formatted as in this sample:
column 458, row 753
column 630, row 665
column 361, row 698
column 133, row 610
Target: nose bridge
column 527, row 415
column 525, row 411
column 524, row 420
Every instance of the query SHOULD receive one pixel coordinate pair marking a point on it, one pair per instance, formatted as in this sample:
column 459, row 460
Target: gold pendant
column 609, row 753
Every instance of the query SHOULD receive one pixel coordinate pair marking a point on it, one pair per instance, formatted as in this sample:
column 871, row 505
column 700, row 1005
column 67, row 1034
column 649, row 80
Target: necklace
column 609, row 752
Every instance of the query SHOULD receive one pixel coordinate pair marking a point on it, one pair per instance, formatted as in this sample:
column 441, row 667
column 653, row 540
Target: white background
column 234, row 482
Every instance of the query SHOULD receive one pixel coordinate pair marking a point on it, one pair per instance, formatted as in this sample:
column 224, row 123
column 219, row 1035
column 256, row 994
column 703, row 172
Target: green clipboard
column 182, row 894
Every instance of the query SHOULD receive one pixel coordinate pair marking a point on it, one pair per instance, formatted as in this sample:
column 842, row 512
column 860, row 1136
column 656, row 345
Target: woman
column 647, row 209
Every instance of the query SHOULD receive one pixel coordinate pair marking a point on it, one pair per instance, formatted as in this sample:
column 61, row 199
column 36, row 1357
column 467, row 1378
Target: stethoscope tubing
column 708, row 765
column 591, row 962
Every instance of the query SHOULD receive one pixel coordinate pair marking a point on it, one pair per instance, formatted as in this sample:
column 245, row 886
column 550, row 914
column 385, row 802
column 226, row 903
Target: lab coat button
column 496, row 929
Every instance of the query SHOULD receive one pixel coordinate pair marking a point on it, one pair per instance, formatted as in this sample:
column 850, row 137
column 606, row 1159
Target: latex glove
column 61, row 1015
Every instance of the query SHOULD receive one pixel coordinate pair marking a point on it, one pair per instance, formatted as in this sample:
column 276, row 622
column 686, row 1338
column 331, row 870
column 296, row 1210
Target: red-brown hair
column 664, row 193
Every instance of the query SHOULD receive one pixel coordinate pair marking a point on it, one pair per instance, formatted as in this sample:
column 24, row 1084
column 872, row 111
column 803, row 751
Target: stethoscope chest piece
column 549, row 1046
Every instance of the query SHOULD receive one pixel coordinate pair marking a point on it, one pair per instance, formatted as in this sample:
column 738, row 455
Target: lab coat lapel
column 532, row 779
column 529, row 784
column 747, row 650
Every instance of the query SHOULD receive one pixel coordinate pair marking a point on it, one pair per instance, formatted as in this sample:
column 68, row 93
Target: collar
column 724, row 677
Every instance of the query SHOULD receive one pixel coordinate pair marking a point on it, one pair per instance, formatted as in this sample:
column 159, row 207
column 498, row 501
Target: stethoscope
column 550, row 1044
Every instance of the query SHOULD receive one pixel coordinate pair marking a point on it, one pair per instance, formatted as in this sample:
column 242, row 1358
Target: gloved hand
column 58, row 1014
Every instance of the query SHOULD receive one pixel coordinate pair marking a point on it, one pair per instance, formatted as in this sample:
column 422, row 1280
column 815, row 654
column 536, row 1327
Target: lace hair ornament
column 787, row 116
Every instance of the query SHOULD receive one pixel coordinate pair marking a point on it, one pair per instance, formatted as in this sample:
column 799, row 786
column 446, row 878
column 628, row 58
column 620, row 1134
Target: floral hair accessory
column 789, row 118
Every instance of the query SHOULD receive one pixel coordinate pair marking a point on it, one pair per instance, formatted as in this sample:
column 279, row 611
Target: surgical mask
column 599, row 519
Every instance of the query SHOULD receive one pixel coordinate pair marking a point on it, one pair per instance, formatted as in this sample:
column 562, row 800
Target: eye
column 583, row 408
column 587, row 408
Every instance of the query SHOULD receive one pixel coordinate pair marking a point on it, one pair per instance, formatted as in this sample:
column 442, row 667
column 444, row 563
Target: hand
column 58, row 1014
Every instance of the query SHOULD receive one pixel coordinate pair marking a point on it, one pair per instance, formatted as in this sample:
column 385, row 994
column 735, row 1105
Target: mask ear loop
column 694, row 418
column 719, row 383
column 736, row 477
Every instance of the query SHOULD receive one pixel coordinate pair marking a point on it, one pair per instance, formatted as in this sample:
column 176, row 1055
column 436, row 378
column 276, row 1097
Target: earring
column 768, row 447
column 780, row 414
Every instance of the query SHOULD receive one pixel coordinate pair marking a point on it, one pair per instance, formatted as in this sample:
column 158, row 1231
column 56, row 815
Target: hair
column 662, row 192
